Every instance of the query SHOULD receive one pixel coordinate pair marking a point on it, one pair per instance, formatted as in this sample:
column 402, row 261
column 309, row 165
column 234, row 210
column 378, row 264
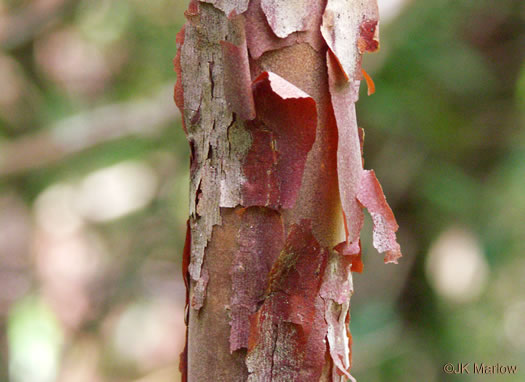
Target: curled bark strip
column 357, row 186
column 369, row 82
column 353, row 252
column 229, row 7
column 339, row 340
column 237, row 79
column 371, row 196
column 260, row 240
column 261, row 38
column 349, row 160
column 349, row 30
column 336, row 291
column 288, row 16
column 283, row 133
column 287, row 333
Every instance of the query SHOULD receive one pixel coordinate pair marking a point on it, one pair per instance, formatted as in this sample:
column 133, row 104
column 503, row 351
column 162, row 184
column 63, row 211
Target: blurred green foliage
column 445, row 133
column 86, row 109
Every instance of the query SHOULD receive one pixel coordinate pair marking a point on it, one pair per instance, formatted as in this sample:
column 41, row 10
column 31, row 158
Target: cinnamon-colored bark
column 265, row 112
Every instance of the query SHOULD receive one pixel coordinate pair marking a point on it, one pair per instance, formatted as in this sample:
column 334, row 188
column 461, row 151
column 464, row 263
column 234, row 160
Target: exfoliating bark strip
column 358, row 188
column 336, row 291
column 337, row 282
column 353, row 253
column 350, row 30
column 210, row 124
column 288, row 331
column 339, row 343
column 371, row 196
column 344, row 94
column 260, row 240
column 261, row 38
column 286, row 17
column 237, row 78
column 282, row 135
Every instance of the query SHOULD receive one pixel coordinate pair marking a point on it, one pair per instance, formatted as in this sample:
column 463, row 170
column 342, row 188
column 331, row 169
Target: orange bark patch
column 369, row 82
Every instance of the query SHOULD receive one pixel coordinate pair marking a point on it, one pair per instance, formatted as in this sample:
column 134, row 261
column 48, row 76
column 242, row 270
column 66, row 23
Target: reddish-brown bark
column 267, row 89
column 274, row 166
column 260, row 240
column 287, row 333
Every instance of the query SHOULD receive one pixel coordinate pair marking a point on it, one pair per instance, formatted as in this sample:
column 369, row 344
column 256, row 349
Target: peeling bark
column 283, row 134
column 336, row 291
column 267, row 91
column 371, row 196
column 350, row 29
column 287, row 333
column 288, row 16
column 344, row 94
column 261, row 38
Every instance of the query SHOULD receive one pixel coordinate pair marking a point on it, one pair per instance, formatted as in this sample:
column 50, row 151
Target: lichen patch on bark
column 209, row 122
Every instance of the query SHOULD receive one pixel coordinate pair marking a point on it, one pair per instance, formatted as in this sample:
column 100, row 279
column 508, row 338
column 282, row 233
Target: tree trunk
column 267, row 91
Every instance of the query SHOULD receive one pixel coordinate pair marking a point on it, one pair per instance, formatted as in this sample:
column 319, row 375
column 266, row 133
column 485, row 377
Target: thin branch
column 86, row 130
